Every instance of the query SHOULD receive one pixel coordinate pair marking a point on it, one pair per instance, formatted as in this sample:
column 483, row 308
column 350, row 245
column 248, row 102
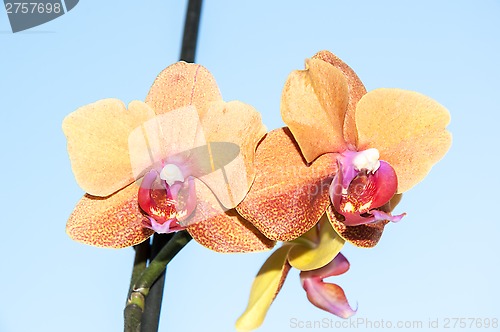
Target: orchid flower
column 183, row 159
column 345, row 151
column 317, row 255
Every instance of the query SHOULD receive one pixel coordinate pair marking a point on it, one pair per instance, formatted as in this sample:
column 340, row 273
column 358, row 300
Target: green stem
column 133, row 315
column 151, row 315
column 136, row 301
column 142, row 251
column 158, row 265
column 133, row 310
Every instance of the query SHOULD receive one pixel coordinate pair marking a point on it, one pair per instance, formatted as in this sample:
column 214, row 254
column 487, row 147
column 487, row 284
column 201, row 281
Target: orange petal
column 366, row 236
column 408, row 128
column 183, row 84
column 98, row 143
column 223, row 231
column 288, row 197
column 356, row 91
column 313, row 105
column 171, row 138
column 240, row 124
column 111, row 222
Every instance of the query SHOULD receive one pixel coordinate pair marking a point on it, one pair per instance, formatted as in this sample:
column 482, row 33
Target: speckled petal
column 183, row 84
column 265, row 287
column 98, row 147
column 366, row 236
column 240, row 124
column 356, row 91
column 313, row 105
column 220, row 230
column 329, row 243
column 111, row 222
column 408, row 128
column 288, row 197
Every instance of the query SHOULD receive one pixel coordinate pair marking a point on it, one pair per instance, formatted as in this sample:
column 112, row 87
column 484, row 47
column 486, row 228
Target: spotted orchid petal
column 240, row 126
column 288, row 196
column 316, row 248
column 412, row 136
column 356, row 91
column 183, row 84
column 111, row 222
column 265, row 287
column 313, row 104
column 364, row 236
column 98, row 147
column 327, row 296
column 222, row 230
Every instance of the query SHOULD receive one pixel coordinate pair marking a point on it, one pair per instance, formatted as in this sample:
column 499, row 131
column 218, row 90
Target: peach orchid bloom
column 357, row 153
column 317, row 255
column 183, row 159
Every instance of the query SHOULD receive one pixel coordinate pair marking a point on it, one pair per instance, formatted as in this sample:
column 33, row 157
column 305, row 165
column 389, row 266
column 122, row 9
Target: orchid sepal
column 327, row 296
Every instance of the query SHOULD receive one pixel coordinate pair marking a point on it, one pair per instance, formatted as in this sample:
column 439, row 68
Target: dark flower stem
column 191, row 28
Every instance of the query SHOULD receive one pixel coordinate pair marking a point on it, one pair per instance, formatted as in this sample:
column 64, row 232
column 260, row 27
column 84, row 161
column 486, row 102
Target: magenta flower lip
column 166, row 205
column 362, row 186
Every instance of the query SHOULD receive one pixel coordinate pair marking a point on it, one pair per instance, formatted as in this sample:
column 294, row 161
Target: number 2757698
column 32, row 8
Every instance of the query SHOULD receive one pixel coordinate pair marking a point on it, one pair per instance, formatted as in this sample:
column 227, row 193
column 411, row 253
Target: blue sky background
column 440, row 262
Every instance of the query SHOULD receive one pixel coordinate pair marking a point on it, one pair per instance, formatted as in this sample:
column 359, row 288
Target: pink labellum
column 166, row 206
column 359, row 193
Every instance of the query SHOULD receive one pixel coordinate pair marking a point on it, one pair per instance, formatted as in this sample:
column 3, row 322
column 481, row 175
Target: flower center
column 167, row 199
column 171, row 173
column 359, row 195
column 367, row 160
column 362, row 185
